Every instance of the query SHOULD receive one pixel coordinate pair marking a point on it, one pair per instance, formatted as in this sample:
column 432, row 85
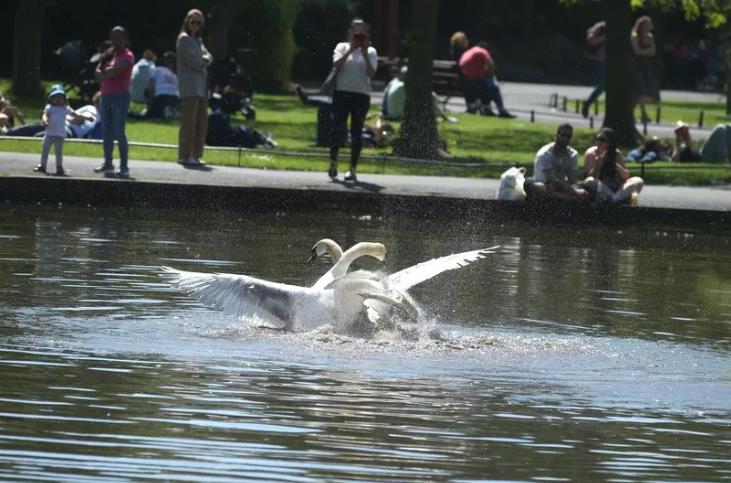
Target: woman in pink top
column 114, row 71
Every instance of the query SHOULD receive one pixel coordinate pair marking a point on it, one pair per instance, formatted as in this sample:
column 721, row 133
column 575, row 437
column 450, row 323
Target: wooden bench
column 446, row 81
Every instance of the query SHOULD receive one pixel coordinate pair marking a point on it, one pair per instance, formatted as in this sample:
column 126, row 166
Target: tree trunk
column 418, row 137
column 219, row 25
column 27, row 36
column 620, row 116
column 727, row 57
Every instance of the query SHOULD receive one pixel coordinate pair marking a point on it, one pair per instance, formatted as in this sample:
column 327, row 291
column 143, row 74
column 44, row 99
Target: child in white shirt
column 54, row 118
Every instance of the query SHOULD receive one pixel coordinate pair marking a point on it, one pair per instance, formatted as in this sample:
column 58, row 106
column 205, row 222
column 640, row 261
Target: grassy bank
column 481, row 146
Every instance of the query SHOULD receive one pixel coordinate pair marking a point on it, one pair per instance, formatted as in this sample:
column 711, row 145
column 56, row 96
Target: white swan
column 396, row 285
column 291, row 306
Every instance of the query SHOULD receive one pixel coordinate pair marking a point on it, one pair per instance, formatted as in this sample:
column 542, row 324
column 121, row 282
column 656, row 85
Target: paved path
column 522, row 98
column 20, row 165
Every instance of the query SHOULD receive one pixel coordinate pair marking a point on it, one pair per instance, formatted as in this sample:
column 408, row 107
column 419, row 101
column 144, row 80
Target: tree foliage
column 265, row 27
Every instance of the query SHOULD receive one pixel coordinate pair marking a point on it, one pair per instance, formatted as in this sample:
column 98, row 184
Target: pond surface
column 573, row 353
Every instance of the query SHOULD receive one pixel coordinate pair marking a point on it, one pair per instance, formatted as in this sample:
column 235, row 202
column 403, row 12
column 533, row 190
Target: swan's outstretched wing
column 240, row 295
column 414, row 275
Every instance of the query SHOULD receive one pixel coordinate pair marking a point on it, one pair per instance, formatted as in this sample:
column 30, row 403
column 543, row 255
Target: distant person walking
column 646, row 84
column 114, row 71
column 596, row 40
column 193, row 60
column 356, row 62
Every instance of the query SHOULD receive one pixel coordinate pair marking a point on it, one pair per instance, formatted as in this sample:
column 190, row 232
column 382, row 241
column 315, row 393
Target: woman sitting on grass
column 606, row 173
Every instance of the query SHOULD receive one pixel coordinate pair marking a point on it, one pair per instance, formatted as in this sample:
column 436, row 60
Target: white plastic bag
column 511, row 185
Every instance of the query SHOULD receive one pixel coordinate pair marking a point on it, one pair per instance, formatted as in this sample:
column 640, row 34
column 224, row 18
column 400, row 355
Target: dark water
column 571, row 354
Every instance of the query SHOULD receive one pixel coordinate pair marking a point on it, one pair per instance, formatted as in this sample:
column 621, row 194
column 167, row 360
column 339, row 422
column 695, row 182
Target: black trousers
column 356, row 105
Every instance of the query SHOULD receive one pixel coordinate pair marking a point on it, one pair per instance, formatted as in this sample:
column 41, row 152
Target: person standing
column 356, row 62
column 114, row 72
column 54, row 119
column 193, row 60
column 647, row 87
column 596, row 39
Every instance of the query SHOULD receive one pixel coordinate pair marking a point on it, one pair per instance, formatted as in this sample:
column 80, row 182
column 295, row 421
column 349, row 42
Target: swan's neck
column 351, row 254
column 334, row 250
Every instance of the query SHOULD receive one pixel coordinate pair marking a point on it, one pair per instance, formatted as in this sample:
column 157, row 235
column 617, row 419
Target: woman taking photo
column 114, row 72
column 606, row 173
column 355, row 62
column 192, row 62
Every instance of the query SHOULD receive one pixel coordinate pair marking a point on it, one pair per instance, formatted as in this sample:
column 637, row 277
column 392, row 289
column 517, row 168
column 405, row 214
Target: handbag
column 328, row 86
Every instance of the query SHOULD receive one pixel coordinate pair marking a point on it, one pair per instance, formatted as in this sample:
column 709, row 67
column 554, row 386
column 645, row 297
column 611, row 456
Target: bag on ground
column 511, row 185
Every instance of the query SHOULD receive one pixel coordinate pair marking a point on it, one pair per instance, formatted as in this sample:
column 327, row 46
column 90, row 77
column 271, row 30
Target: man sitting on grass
column 556, row 170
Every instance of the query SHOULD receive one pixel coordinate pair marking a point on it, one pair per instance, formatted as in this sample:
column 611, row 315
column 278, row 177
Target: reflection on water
column 572, row 354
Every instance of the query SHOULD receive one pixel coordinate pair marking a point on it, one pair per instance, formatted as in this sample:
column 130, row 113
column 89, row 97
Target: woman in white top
column 163, row 88
column 355, row 62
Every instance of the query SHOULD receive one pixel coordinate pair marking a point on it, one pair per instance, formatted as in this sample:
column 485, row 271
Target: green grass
column 688, row 111
column 487, row 143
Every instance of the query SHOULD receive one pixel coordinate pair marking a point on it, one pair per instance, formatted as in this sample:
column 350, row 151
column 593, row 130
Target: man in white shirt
column 555, row 171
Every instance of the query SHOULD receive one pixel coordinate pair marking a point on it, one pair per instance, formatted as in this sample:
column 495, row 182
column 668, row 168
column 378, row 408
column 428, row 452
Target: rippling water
column 571, row 354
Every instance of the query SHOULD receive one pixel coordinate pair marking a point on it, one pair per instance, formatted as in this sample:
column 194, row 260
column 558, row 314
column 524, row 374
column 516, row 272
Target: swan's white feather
column 250, row 297
column 414, row 275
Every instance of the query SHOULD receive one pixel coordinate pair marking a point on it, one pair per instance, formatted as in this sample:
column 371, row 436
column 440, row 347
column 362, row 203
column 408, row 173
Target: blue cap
column 56, row 89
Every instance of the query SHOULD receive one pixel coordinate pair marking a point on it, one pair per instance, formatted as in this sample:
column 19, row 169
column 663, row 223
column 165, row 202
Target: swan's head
column 327, row 249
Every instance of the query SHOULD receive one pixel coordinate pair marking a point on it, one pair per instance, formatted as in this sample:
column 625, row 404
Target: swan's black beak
column 313, row 257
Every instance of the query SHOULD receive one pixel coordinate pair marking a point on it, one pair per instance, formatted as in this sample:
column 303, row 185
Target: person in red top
column 114, row 72
column 478, row 69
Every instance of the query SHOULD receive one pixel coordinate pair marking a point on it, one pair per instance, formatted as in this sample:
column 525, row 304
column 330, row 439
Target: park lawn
column 480, row 146
column 688, row 111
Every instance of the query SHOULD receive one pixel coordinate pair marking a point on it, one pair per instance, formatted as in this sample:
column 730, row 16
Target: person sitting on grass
column 653, row 149
column 555, row 170
column 162, row 91
column 606, row 173
column 54, row 118
column 9, row 115
column 394, row 99
column 683, row 150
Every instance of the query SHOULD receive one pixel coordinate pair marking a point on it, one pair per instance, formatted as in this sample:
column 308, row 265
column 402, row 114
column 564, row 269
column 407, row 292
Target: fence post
column 591, row 122
column 532, row 116
column 564, row 104
column 596, row 107
column 657, row 114
column 576, row 105
column 700, row 120
column 644, row 126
